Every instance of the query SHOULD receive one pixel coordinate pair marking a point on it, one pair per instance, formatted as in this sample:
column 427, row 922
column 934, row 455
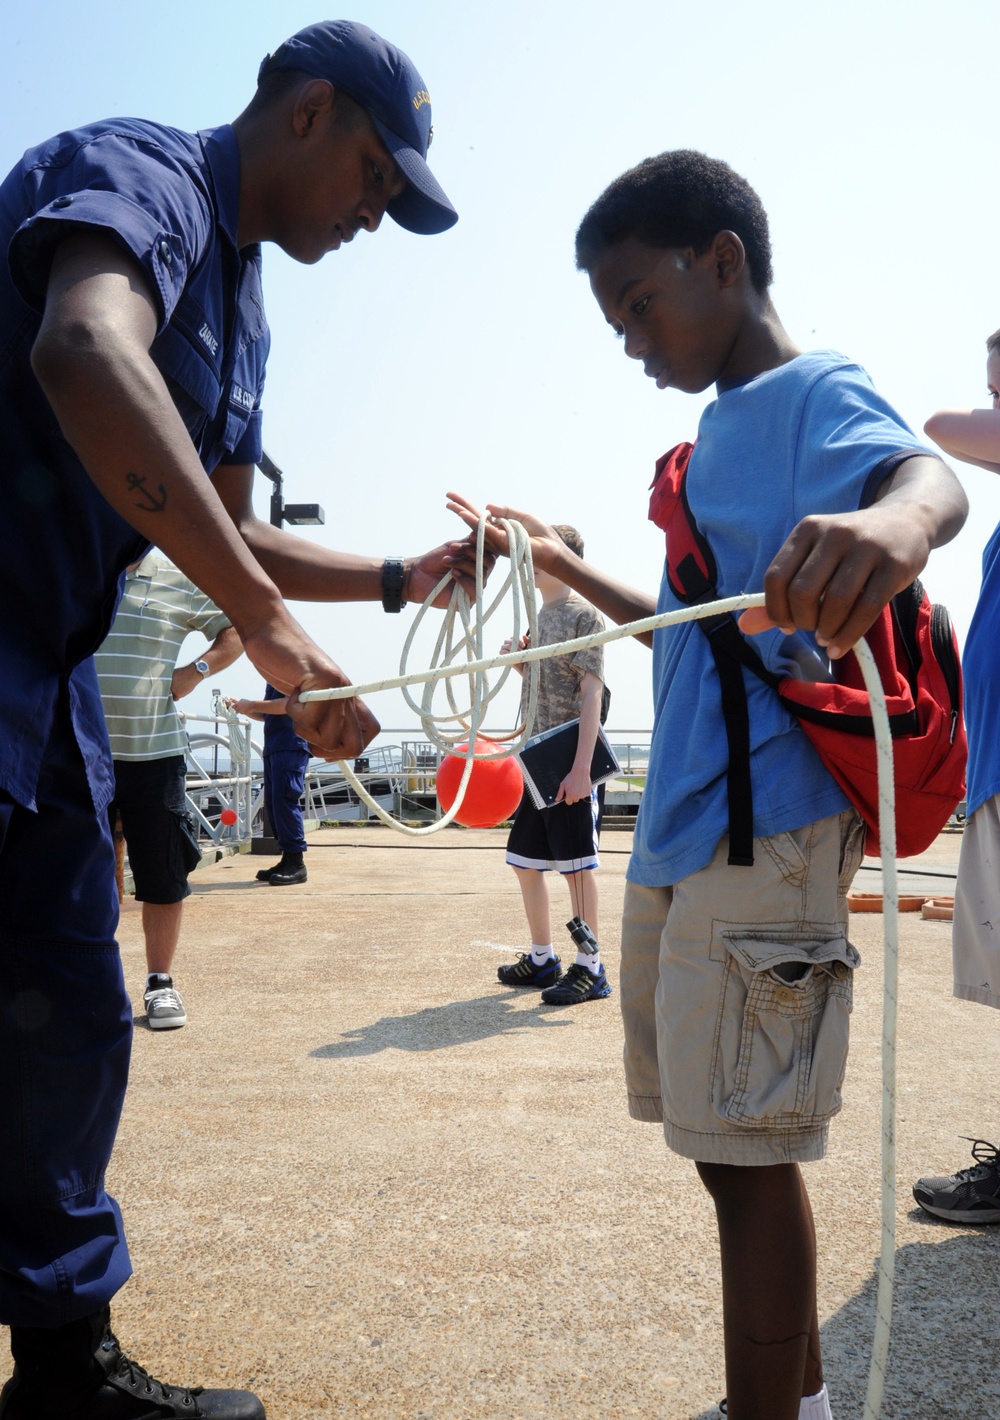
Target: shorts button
column 62, row 201
column 841, row 969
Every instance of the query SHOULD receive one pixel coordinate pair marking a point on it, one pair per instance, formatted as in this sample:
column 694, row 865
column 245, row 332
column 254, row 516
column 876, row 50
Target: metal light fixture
column 295, row 514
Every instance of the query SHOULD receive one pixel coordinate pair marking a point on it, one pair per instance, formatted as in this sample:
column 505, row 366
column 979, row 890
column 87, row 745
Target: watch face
column 202, row 667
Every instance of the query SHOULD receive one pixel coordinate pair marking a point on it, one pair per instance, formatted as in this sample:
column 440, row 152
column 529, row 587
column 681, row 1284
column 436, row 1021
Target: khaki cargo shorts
column 736, row 993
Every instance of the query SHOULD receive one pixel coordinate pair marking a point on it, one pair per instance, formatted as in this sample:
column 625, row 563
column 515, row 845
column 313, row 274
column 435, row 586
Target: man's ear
column 313, row 101
column 729, row 257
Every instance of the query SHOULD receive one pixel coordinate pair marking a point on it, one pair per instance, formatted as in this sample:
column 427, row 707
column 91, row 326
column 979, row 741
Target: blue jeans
column 284, row 783
column 65, row 1037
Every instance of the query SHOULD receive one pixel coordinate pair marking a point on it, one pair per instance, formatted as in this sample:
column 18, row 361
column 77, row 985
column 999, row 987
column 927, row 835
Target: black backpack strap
column 731, row 654
column 692, row 579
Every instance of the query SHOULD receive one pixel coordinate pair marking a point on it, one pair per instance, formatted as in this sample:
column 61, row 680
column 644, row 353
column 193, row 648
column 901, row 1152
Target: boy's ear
column 729, row 257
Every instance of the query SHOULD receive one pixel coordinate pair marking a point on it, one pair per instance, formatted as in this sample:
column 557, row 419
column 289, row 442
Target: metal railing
column 401, row 777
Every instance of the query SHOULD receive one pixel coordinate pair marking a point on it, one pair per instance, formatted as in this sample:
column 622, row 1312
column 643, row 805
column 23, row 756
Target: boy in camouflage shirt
column 563, row 836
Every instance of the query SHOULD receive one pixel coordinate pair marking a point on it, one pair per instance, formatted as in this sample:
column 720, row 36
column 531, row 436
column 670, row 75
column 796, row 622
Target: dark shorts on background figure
column 563, row 837
column 160, row 830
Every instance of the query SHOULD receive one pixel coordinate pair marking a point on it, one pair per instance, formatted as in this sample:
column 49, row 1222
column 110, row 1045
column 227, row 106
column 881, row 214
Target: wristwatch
column 393, row 577
column 202, row 667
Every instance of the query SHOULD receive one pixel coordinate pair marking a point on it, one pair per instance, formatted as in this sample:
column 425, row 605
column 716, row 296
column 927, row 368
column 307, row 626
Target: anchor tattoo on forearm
column 137, row 483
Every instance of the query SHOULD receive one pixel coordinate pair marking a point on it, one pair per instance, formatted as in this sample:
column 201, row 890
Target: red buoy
column 494, row 788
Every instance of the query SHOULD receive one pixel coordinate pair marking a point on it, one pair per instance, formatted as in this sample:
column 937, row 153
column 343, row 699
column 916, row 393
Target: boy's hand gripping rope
column 446, row 666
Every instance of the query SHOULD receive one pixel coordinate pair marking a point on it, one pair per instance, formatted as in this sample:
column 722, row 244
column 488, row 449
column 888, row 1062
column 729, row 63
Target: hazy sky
column 403, row 366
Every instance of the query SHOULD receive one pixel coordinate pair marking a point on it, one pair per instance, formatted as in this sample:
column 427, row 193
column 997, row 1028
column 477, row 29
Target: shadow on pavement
column 945, row 1327
column 437, row 1027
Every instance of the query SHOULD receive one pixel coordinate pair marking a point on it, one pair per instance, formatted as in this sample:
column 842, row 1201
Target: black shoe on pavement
column 290, row 870
column 970, row 1196
column 264, row 874
column 525, row 972
column 577, row 985
column 79, row 1372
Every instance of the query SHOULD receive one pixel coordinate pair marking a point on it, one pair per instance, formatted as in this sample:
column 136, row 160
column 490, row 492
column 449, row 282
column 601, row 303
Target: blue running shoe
column 579, row 984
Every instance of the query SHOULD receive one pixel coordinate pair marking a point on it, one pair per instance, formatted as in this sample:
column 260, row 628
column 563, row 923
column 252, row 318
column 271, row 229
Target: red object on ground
column 494, row 789
column 228, row 817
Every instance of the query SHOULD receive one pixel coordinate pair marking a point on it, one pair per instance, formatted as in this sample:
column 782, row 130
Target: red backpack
column 916, row 653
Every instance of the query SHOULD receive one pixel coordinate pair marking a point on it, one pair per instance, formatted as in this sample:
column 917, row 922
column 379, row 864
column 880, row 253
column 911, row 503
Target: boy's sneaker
column 970, row 1196
column 79, row 1372
column 164, row 1006
column 578, row 984
column 524, row 972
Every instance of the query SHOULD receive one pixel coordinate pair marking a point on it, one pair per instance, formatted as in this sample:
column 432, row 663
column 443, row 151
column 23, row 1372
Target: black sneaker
column 524, row 972
column 970, row 1196
column 579, row 984
column 79, row 1372
column 290, row 870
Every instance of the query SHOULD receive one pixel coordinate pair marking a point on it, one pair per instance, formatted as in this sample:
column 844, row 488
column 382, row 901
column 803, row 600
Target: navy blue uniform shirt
column 279, row 731
column 172, row 200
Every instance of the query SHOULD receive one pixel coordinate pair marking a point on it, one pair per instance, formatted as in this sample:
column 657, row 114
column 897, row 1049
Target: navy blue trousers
column 65, row 1038
column 284, row 783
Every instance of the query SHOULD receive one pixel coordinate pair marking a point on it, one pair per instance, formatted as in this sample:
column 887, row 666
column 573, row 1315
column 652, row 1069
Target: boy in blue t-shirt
column 736, row 980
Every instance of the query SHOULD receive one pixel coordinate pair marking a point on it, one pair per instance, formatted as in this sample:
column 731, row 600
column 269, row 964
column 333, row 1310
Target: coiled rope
column 446, row 666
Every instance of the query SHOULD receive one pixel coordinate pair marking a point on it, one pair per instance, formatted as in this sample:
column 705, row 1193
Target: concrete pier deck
column 366, row 1180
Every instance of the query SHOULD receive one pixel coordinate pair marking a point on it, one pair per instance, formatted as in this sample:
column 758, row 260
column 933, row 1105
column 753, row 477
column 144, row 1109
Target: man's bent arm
column 308, row 572
column 92, row 360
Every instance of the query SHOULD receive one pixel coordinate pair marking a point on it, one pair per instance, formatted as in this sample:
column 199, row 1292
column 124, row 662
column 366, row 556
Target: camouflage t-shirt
column 560, row 676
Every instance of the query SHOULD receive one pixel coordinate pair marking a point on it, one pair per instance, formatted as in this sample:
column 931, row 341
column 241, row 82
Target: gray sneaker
column 164, row 1006
column 970, row 1196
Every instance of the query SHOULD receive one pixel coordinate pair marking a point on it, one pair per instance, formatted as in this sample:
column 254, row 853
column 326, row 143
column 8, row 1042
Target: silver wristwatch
column 202, row 667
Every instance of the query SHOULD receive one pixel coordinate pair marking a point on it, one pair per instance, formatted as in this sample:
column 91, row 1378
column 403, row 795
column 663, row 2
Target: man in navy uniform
column 132, row 350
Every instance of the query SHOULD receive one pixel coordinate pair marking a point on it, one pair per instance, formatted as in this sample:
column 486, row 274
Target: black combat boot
column 290, row 870
column 79, row 1372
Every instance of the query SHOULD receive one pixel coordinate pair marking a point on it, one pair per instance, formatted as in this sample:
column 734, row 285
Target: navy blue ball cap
column 383, row 80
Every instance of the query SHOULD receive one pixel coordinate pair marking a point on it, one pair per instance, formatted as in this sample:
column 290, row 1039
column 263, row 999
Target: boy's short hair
column 570, row 537
column 993, row 344
column 678, row 199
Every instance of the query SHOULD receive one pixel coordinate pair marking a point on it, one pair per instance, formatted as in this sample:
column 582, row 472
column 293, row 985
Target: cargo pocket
column 782, row 1031
column 186, row 848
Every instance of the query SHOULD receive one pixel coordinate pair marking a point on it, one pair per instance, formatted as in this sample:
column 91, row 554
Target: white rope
column 445, row 666
column 890, row 955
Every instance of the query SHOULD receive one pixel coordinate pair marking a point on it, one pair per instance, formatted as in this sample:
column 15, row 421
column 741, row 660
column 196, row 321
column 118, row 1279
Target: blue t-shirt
column 809, row 437
column 171, row 199
column 981, row 669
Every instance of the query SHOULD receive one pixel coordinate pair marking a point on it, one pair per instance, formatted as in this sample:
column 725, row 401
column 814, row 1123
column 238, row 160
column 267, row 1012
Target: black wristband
column 393, row 577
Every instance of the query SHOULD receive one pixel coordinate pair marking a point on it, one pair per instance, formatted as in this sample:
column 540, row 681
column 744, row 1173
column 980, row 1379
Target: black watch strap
column 393, row 577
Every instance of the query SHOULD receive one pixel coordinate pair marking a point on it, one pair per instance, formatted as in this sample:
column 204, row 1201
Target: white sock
column 592, row 961
column 540, row 955
column 816, row 1407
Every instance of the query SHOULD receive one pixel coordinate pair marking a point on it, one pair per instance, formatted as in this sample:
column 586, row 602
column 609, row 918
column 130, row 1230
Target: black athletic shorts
column 563, row 837
column 159, row 828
